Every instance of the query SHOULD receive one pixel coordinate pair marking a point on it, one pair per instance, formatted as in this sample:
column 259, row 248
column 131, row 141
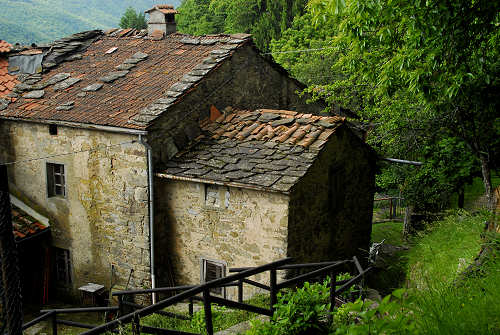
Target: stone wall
column 103, row 219
column 331, row 207
column 245, row 81
column 239, row 226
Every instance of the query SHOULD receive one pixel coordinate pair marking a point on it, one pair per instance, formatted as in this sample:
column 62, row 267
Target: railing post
column 190, row 306
column 273, row 290
column 136, row 325
column 54, row 323
column 208, row 311
column 240, row 290
column 120, row 305
column 333, row 287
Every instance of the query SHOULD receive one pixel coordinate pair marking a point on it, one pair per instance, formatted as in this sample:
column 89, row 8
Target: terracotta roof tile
column 130, row 92
column 23, row 225
column 7, row 81
column 5, row 46
column 242, row 148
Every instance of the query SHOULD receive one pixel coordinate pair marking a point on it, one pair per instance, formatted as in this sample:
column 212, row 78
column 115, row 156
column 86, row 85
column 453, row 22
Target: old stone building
column 261, row 185
column 95, row 114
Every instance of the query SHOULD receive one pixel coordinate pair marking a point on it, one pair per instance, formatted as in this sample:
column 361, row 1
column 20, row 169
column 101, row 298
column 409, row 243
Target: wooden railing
column 191, row 293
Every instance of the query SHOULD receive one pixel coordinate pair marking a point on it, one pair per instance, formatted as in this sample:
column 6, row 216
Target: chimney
column 161, row 19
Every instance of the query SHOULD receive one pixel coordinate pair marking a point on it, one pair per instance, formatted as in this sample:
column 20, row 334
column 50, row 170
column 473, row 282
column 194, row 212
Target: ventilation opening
column 52, row 129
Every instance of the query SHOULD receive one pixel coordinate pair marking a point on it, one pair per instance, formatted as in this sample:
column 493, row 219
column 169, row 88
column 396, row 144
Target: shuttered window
column 212, row 270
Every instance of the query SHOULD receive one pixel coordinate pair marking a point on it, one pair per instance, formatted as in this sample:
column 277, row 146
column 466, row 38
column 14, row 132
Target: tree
column 132, row 19
column 420, row 70
column 264, row 19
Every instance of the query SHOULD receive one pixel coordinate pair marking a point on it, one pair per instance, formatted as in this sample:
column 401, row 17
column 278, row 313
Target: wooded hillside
column 37, row 21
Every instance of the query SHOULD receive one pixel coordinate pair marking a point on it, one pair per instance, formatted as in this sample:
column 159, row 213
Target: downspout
column 151, row 214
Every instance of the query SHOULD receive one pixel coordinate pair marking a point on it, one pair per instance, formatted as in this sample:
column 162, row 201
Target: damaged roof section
column 121, row 78
column 264, row 149
column 7, row 81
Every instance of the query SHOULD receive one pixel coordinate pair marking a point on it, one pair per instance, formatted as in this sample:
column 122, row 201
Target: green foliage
column 389, row 316
column 297, row 312
column 132, row 19
column 425, row 73
column 42, row 21
column 311, row 67
column 265, row 19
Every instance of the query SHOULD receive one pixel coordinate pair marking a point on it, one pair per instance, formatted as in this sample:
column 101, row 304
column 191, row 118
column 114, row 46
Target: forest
column 422, row 77
column 43, row 21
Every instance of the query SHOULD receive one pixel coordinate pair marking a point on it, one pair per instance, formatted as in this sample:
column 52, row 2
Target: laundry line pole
column 10, row 286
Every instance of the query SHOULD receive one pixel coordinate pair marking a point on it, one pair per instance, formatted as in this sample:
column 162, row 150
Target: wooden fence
column 192, row 292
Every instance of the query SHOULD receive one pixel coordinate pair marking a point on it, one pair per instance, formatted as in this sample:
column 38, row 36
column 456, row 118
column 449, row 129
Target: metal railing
column 191, row 293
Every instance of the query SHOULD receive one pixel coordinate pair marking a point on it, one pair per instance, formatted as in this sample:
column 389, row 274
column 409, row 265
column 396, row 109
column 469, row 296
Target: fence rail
column 389, row 208
column 193, row 292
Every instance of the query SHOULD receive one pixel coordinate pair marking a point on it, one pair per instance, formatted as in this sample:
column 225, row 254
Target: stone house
column 260, row 185
column 96, row 114
column 97, row 111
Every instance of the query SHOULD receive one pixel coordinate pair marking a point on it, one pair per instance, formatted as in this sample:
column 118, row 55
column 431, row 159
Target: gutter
column 151, row 214
column 402, row 161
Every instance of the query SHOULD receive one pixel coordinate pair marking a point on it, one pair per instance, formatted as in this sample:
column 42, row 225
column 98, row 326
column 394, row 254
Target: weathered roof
column 266, row 149
column 122, row 78
column 7, row 81
column 24, row 226
column 5, row 46
column 165, row 9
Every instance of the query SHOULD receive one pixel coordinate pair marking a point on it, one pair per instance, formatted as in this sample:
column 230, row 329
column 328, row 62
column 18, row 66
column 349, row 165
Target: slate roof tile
column 240, row 156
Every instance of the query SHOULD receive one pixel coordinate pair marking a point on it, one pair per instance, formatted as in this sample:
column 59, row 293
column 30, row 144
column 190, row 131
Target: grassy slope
column 28, row 21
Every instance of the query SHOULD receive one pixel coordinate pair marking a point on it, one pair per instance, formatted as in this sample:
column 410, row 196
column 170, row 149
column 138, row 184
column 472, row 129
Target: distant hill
column 39, row 21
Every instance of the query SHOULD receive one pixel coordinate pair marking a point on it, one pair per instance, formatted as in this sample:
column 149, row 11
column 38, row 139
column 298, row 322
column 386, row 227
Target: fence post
column 54, row 323
column 120, row 305
column 272, row 286
column 333, row 287
column 136, row 325
column 208, row 311
column 240, row 290
column 390, row 210
column 191, row 309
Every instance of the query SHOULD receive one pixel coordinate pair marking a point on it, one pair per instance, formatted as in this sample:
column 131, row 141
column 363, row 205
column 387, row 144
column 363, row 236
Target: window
column 52, row 129
column 211, row 270
column 217, row 196
column 56, row 180
column 62, row 265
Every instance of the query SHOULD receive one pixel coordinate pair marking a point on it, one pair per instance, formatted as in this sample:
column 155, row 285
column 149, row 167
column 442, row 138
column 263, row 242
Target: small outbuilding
column 261, row 185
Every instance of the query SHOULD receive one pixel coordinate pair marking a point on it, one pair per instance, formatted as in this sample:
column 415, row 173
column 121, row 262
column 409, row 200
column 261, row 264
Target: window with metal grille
column 211, row 270
column 56, row 180
column 62, row 265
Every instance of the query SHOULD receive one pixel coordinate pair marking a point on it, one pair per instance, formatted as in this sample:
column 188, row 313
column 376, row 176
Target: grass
column 391, row 232
column 440, row 305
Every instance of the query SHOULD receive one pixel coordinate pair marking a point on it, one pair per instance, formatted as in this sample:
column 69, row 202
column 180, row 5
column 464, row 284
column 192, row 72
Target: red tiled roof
column 265, row 149
column 24, row 226
column 119, row 102
column 7, row 82
column 5, row 46
column 165, row 9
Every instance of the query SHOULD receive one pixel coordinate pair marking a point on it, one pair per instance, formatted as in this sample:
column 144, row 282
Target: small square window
column 56, row 180
column 211, row 270
column 52, row 129
column 62, row 266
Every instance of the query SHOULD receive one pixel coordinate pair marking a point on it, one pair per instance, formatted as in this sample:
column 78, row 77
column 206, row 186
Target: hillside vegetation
column 40, row 21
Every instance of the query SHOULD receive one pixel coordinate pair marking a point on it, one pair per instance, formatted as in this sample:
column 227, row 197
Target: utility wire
column 296, row 51
column 68, row 153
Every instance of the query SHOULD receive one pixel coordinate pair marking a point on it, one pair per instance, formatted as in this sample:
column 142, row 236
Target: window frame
column 203, row 271
column 65, row 256
column 51, row 176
